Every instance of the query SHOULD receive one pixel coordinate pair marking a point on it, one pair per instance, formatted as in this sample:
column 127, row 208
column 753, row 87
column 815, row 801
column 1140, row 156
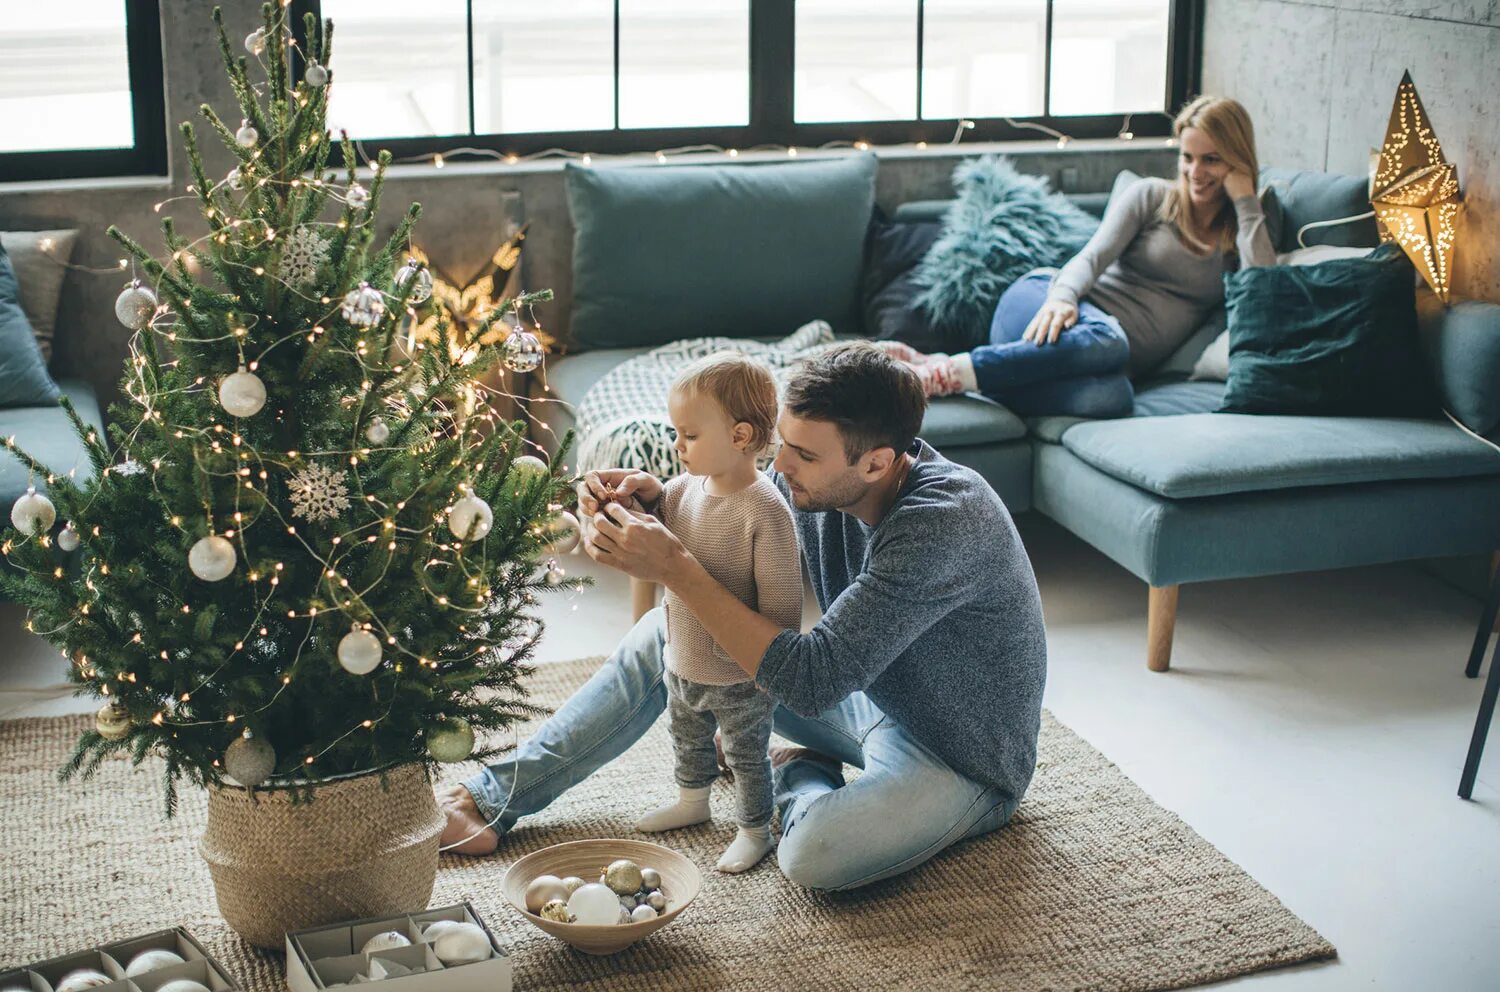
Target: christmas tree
column 304, row 551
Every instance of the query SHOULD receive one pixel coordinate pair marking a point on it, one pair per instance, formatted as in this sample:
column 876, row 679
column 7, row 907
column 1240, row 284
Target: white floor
column 1312, row 728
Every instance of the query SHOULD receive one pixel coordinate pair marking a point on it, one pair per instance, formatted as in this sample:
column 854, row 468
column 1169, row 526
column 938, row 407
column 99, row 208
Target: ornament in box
column 150, row 960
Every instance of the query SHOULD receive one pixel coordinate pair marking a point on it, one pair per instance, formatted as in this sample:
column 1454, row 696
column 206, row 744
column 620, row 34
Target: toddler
column 735, row 523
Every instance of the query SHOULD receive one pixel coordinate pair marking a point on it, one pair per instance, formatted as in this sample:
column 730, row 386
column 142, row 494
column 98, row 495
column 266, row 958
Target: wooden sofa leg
column 1161, row 620
column 642, row 598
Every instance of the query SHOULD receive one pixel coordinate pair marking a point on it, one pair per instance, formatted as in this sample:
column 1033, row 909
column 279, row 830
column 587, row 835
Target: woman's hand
column 1238, row 184
column 1054, row 317
column 626, row 482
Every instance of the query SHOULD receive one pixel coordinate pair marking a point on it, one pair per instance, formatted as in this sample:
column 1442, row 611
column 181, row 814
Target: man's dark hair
column 874, row 400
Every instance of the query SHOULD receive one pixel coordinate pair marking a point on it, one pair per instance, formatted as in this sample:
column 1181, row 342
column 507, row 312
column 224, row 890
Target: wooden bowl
column 587, row 859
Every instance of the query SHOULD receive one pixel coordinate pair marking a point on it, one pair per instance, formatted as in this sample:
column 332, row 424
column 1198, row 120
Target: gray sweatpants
column 743, row 713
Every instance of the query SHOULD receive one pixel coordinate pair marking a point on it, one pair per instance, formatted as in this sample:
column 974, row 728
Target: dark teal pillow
column 1336, row 339
column 1463, row 344
column 1300, row 198
column 734, row 250
column 23, row 372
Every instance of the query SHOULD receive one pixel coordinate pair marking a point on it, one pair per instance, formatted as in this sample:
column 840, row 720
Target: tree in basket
column 299, row 573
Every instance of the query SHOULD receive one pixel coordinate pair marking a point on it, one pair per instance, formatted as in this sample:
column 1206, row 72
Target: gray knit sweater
column 934, row 613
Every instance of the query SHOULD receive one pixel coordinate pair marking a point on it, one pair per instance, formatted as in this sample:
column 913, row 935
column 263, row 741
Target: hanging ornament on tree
column 357, row 197
column 68, row 539
column 304, row 254
column 235, row 180
column 359, row 651
column 529, row 466
column 364, row 306
column 419, row 277
column 34, row 513
column 555, row 573
column 255, row 41
column 378, row 431
column 523, row 352
column 135, row 305
column 562, row 533
column 112, row 721
column 319, row 493
column 246, row 136
column 470, row 518
column 450, row 739
column 249, row 760
column 211, row 558
column 316, row 76
column 242, row 394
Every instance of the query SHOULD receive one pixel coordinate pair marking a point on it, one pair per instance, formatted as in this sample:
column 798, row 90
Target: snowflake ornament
column 318, row 493
column 305, row 253
column 129, row 467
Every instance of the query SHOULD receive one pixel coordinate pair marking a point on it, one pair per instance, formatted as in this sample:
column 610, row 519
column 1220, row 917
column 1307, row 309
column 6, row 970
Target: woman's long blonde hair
column 1227, row 124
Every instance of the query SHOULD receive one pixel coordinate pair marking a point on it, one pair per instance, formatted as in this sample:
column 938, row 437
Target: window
column 519, row 76
column 81, row 90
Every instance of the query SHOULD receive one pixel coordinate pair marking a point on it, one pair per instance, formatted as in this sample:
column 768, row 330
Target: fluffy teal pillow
column 23, row 373
column 1002, row 225
column 1337, row 339
column 733, row 250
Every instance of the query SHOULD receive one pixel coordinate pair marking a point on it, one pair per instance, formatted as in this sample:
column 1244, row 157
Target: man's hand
column 625, row 482
column 635, row 543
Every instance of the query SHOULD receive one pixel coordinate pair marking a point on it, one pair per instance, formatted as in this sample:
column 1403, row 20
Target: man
column 926, row 669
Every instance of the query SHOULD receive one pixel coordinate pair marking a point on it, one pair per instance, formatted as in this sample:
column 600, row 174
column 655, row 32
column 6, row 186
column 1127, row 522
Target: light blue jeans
column 906, row 807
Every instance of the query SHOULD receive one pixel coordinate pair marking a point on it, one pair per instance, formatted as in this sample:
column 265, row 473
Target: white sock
column 749, row 846
column 691, row 807
column 964, row 366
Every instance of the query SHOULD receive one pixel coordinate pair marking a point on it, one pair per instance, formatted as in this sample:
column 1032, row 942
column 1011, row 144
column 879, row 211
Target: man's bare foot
column 466, row 828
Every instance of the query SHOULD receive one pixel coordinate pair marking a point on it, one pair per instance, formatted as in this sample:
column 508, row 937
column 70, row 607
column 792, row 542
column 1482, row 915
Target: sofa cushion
column 46, row 433
column 888, row 286
column 738, row 250
column 40, row 259
column 23, row 371
column 1160, row 398
column 1210, row 454
column 1463, row 345
column 1306, row 197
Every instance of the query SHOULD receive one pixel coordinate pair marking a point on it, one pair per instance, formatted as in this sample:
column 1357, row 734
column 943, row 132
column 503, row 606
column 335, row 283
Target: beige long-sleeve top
column 748, row 543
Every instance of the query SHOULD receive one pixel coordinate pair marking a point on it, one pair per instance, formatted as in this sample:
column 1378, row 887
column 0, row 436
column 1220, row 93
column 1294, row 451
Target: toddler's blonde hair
column 743, row 387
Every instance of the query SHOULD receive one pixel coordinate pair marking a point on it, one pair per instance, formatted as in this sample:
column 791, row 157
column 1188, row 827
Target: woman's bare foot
column 466, row 828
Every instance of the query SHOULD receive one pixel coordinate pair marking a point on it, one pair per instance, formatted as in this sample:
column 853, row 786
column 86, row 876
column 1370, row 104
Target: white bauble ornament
column 255, row 41
column 135, row 305
column 182, row 985
column 435, row 929
column 112, row 721
column 242, row 394
column 357, row 197
column 388, row 941
column 249, row 760
column 594, row 905
column 212, row 558
column 562, row 533
column 463, row 943
column 650, row 879
column 377, row 431
column 641, row 914
column 151, row 960
column 557, row 912
column 419, row 277
column 316, row 76
column 555, row 573
column 83, row 978
column 572, row 884
column 523, row 351
column 529, row 465
column 470, row 518
column 657, row 901
column 359, row 652
column 33, row 513
column 68, row 538
column 363, row 306
column 452, row 739
column 246, row 136
column 542, row 890
column 235, row 180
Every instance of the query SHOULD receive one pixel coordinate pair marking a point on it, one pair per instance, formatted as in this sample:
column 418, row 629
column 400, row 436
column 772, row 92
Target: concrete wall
column 1319, row 76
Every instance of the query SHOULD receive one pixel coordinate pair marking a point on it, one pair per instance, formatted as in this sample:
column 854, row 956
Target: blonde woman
column 1068, row 343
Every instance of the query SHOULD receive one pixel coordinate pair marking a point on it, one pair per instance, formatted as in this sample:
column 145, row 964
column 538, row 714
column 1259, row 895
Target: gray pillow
column 40, row 273
column 23, row 374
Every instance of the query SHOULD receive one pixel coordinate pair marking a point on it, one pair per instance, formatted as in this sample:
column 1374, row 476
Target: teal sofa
column 1177, row 493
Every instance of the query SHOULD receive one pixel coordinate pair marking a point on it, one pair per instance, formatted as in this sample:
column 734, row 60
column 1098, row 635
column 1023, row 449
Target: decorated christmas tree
column 303, row 551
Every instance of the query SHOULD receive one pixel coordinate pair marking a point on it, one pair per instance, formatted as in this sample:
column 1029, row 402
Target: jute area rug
column 1092, row 886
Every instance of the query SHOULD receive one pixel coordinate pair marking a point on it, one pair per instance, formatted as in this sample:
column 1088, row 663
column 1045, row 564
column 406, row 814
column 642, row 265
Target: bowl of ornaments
column 601, row 896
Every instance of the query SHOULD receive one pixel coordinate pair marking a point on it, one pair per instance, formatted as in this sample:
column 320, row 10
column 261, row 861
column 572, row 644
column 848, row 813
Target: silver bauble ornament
column 363, row 306
column 150, row 960
column 542, row 890
column 657, row 901
column 359, row 652
column 212, row 558
column 249, row 760
column 242, row 394
column 595, row 905
column 470, row 518
column 451, row 739
column 255, row 41
column 316, row 76
column 555, row 573
column 420, row 279
column 68, row 538
column 377, row 431
column 32, row 513
column 529, row 465
column 112, row 721
column 135, row 305
column 246, row 136
column 557, row 911
column 523, row 351
column 562, row 533
column 650, row 879
column 357, row 197
column 235, row 180
column 641, row 914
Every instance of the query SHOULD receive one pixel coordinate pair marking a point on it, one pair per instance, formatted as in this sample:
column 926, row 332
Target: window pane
column 983, row 58
column 856, row 60
column 399, row 69
column 1109, row 56
column 64, row 77
column 684, row 63
column 544, row 66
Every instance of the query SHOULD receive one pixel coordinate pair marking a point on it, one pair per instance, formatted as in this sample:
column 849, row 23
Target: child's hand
column 628, row 486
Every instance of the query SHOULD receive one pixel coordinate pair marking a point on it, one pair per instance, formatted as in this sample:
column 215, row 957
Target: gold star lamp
column 1414, row 191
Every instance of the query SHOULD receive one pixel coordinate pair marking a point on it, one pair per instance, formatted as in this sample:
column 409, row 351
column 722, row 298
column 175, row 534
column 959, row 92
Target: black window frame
column 148, row 155
column 772, row 65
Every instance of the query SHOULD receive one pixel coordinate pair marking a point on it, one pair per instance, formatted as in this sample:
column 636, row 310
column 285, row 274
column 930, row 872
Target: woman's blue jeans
column 905, row 807
column 1081, row 374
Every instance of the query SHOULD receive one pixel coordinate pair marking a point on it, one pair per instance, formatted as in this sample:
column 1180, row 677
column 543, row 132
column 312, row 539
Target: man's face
column 813, row 462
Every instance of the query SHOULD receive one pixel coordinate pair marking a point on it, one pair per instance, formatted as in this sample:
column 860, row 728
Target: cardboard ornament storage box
column 112, row 959
column 331, row 956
